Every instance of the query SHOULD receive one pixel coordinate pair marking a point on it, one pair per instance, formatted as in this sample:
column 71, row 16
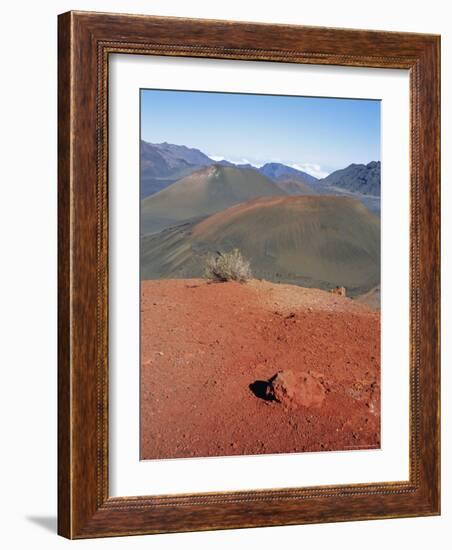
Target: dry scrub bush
column 228, row 266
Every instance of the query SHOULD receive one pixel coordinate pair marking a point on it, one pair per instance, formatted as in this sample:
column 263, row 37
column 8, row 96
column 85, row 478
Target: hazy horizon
column 315, row 135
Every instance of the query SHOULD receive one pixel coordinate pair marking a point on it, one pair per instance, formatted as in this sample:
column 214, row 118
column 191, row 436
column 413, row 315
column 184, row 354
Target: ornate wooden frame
column 85, row 42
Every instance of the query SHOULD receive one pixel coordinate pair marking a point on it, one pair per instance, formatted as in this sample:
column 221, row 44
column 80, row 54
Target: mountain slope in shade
column 162, row 160
column 176, row 153
column 357, row 178
column 277, row 172
column 164, row 163
column 202, row 193
column 320, row 242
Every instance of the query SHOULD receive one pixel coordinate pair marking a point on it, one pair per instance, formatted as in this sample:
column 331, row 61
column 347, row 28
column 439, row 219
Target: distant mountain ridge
column 357, row 178
column 164, row 163
column 281, row 172
column 181, row 152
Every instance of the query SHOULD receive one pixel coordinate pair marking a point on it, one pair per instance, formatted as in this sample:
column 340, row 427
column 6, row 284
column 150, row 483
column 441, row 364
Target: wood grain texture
column 85, row 42
column 64, row 295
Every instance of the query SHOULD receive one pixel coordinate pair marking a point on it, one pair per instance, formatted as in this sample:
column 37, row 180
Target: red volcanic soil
column 208, row 351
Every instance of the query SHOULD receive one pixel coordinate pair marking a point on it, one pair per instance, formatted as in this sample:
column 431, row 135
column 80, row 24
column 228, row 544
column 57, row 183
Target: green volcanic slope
column 204, row 192
column 297, row 187
column 314, row 241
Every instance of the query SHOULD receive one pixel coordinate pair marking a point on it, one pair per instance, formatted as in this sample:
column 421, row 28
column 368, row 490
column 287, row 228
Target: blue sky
column 318, row 135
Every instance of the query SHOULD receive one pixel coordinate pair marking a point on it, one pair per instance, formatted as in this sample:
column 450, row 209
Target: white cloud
column 310, row 168
column 246, row 161
column 218, row 158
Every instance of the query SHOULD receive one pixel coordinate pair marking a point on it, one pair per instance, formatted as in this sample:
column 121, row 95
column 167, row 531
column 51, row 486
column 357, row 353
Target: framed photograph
column 248, row 275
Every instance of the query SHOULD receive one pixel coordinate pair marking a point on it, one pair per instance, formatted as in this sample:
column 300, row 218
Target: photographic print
column 260, row 274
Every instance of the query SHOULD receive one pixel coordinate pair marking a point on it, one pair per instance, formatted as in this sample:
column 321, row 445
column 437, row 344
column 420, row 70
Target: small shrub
column 228, row 266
